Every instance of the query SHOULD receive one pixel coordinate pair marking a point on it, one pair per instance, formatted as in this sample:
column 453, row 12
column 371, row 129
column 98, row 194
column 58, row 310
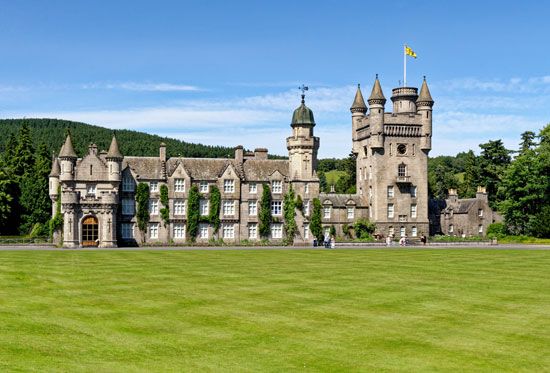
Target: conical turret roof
column 114, row 152
column 376, row 93
column 358, row 103
column 67, row 149
column 303, row 115
column 56, row 170
column 425, row 95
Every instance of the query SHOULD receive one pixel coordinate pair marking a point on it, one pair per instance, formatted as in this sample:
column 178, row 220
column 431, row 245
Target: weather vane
column 303, row 88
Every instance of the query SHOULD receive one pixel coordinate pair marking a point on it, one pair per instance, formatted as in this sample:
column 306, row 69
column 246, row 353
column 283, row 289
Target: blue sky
column 227, row 72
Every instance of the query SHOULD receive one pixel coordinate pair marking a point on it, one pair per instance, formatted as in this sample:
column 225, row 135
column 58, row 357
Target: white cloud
column 536, row 84
column 135, row 86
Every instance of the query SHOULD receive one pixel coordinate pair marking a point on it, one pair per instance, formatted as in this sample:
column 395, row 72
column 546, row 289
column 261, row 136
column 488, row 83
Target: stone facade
column 98, row 191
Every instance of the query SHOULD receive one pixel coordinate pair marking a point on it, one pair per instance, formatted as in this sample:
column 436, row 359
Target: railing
column 22, row 240
column 403, row 179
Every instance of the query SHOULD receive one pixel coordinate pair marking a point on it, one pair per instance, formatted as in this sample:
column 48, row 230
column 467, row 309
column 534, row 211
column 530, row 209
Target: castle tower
column 302, row 145
column 54, row 183
column 67, row 158
column 358, row 111
column 114, row 161
column 392, row 160
column 376, row 117
column 424, row 105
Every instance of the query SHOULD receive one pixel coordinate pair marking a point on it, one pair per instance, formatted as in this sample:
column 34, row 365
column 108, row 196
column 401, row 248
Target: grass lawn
column 275, row 310
column 333, row 176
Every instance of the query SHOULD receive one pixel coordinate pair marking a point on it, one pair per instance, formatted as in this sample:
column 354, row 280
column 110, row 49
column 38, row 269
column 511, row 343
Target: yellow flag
column 410, row 52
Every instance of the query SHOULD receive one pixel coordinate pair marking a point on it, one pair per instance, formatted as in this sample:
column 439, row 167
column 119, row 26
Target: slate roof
column 376, row 93
column 67, row 150
column 425, row 95
column 259, row 170
column 358, row 102
column 146, row 168
column 114, row 152
column 463, row 206
column 56, row 170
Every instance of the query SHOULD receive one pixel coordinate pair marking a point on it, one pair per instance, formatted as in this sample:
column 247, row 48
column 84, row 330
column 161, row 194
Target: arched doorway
column 90, row 231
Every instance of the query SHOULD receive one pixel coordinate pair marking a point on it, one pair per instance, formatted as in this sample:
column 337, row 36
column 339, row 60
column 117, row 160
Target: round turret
column 303, row 115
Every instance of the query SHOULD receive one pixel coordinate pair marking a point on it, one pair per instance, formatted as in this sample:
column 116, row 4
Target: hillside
column 52, row 132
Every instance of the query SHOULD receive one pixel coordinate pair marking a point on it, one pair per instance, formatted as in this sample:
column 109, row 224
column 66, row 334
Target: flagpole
column 404, row 65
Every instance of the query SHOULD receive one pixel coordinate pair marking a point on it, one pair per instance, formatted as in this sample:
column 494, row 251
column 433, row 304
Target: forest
column 518, row 181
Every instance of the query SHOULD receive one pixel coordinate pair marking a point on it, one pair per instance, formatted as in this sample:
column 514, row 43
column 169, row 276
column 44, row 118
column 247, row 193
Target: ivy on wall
column 165, row 210
column 214, row 213
column 142, row 199
column 193, row 213
column 289, row 209
column 315, row 223
column 264, row 214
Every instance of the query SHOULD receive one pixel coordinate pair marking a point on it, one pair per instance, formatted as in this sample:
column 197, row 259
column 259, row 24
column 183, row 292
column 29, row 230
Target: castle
column 98, row 191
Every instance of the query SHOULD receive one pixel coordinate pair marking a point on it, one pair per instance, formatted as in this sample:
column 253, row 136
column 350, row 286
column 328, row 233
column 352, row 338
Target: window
column 370, row 192
column 277, row 186
column 228, row 231
column 179, row 230
column 228, row 186
column 413, row 210
column 413, row 191
column 179, row 207
column 154, row 230
column 326, row 212
column 252, row 188
column 390, row 191
column 351, row 212
column 402, row 231
column 154, row 186
column 276, row 230
column 253, row 231
column 370, row 172
column 306, row 232
column 451, row 228
column 402, row 170
column 401, row 149
column 306, row 188
column 360, row 173
column 127, row 231
column 252, row 208
column 153, row 206
column 414, row 232
column 128, row 206
column 480, row 213
column 480, row 229
column 91, row 189
column 128, row 184
column 306, row 207
column 203, row 230
column 228, row 208
column 179, row 185
column 390, row 210
column 276, row 207
column 391, row 231
column 203, row 187
column 203, row 207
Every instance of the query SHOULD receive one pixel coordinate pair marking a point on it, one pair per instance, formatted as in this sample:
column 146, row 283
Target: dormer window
column 277, row 186
column 228, row 186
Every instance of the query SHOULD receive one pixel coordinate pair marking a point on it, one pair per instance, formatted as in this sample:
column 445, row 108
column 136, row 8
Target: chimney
column 162, row 152
column 239, row 154
column 481, row 194
column 453, row 196
column 260, row 153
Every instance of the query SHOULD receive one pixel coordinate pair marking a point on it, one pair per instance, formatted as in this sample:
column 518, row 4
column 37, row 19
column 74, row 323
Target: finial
column 358, row 86
column 377, row 76
column 424, row 77
column 303, row 88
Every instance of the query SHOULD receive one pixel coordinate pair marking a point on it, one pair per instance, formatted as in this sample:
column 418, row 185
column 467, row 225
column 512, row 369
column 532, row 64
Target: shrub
column 496, row 230
column 363, row 228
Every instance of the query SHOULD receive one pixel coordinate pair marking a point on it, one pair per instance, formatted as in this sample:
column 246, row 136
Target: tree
column 193, row 213
column 315, row 224
column 289, row 208
column 142, row 199
column 440, row 181
column 23, row 158
column 527, row 141
column 5, row 198
column 494, row 160
column 363, row 228
column 322, row 182
column 468, row 188
column 264, row 213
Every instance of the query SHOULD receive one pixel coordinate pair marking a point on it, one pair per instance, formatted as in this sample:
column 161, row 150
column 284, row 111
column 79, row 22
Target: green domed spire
column 303, row 115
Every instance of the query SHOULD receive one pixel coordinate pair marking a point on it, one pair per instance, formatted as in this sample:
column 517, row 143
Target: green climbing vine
column 193, row 213
column 215, row 203
column 165, row 210
column 142, row 199
column 289, row 209
column 315, row 224
column 264, row 213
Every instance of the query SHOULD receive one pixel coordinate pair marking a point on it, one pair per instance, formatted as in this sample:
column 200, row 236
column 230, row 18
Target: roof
column 202, row 168
column 260, row 170
column 339, row 200
column 67, row 150
column 56, row 170
column 358, row 103
column 462, row 206
column 303, row 115
column 424, row 95
column 114, row 152
column 148, row 168
column 376, row 93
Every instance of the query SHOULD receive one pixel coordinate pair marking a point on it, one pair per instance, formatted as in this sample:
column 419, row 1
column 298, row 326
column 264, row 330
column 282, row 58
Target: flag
column 410, row 52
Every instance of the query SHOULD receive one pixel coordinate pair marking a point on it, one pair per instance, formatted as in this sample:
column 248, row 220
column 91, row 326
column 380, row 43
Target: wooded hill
column 52, row 133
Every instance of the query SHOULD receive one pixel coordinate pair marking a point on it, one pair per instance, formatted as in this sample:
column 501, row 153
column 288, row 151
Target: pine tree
column 5, row 199
column 494, row 160
column 23, row 158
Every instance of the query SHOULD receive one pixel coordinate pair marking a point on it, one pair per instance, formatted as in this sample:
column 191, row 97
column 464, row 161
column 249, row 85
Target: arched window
column 402, row 170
